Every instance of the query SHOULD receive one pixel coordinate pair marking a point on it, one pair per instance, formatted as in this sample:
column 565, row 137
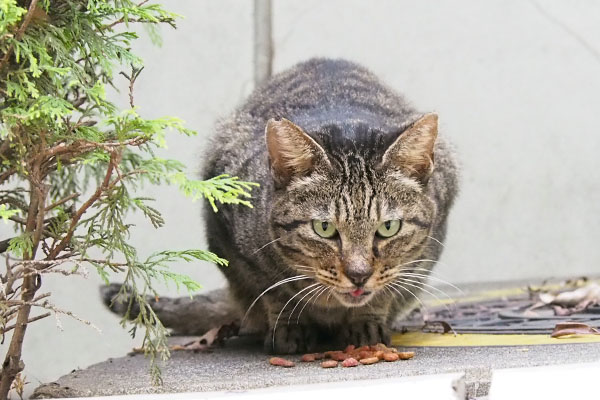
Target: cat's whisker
column 281, row 282
column 401, row 286
column 396, row 290
column 317, row 293
column 430, row 275
column 285, row 305
column 403, row 276
column 415, row 262
column 327, row 280
column 407, row 282
column 329, row 295
column 262, row 247
column 434, row 239
column 389, row 290
column 304, row 268
column 300, row 301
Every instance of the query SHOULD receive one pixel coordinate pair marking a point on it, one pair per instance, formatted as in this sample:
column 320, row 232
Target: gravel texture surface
column 242, row 365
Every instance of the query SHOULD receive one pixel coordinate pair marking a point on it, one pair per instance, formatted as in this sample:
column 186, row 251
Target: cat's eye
column 324, row 229
column 389, row 228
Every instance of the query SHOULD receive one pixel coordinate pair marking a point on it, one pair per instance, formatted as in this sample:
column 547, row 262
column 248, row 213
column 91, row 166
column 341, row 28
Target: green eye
column 324, row 229
column 389, row 228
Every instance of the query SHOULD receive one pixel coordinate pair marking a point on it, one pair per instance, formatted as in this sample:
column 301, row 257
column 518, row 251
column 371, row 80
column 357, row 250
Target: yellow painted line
column 420, row 339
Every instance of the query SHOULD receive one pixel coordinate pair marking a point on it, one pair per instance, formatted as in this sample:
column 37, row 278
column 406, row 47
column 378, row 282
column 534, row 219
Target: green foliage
column 21, row 245
column 61, row 140
column 6, row 213
column 222, row 188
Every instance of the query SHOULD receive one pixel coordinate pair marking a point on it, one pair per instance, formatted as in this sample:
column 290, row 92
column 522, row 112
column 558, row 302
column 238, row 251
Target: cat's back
column 314, row 92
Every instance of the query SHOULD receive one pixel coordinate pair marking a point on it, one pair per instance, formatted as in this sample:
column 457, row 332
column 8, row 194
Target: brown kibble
column 391, row 357
column 319, row 356
column 370, row 360
column 406, row 355
column 350, row 362
column 340, row 356
column 281, row 362
column 350, row 348
column 332, row 353
column 363, row 348
column 364, row 354
column 308, row 358
column 329, row 364
column 379, row 354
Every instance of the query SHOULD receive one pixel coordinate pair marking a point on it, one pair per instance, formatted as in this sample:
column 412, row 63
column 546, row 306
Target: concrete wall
column 516, row 86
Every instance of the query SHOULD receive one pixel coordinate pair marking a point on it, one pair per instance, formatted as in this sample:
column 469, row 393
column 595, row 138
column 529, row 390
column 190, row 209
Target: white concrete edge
column 560, row 382
column 437, row 387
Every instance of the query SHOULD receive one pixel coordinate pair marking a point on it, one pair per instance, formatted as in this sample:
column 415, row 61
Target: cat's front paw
column 363, row 333
column 291, row 339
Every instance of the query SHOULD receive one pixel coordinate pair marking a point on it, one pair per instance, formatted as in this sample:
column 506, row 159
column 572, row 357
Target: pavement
column 241, row 365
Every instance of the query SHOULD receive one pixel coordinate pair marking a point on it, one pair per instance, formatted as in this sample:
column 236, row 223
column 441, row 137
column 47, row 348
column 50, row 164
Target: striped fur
column 354, row 120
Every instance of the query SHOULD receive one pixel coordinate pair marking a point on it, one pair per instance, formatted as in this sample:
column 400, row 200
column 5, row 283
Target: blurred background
column 515, row 84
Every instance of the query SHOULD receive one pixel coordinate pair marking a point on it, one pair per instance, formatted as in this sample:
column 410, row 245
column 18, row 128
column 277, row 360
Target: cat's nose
column 359, row 273
column 359, row 278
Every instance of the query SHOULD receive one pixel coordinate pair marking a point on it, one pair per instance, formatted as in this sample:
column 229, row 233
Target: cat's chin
column 349, row 300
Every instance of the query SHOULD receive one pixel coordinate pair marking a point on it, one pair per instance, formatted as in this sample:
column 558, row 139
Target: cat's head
column 350, row 209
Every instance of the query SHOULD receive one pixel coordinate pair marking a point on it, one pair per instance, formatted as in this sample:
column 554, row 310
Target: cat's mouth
column 357, row 297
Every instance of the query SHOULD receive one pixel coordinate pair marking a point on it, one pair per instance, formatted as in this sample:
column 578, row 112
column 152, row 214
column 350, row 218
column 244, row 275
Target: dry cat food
column 351, row 356
column 281, row 362
column 406, row 355
column 329, row 364
column 349, row 362
column 369, row 360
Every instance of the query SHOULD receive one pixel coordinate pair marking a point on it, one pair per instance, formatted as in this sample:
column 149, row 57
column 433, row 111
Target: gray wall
column 516, row 87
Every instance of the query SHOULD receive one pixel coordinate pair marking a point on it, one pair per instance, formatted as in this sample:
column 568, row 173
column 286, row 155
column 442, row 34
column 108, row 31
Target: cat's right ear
column 292, row 153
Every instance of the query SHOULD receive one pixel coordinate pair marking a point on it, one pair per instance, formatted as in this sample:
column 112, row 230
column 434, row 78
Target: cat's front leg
column 287, row 335
column 365, row 328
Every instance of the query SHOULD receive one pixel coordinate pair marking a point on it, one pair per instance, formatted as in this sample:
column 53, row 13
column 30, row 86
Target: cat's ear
column 292, row 152
column 412, row 152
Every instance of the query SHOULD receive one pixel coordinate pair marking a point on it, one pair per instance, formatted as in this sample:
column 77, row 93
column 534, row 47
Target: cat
column 350, row 217
column 355, row 191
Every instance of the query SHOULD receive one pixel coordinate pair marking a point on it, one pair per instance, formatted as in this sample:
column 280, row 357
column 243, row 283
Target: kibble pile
column 349, row 357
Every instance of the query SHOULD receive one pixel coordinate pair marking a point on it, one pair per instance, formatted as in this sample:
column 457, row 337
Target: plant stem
column 13, row 364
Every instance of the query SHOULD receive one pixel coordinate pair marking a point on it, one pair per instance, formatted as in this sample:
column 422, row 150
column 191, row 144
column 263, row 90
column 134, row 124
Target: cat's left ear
column 292, row 153
column 412, row 152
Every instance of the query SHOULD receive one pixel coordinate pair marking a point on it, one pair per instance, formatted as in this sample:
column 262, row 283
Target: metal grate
column 508, row 316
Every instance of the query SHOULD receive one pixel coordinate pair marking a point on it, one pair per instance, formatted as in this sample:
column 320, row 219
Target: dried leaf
column 573, row 328
column 589, row 293
column 439, row 326
column 546, row 298
column 215, row 336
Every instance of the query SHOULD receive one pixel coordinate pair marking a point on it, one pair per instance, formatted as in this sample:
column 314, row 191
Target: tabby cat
column 351, row 210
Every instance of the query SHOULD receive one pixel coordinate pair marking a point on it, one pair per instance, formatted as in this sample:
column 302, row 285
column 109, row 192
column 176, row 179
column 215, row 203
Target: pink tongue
column 357, row 292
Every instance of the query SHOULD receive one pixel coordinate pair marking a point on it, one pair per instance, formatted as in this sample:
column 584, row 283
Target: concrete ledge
column 242, row 365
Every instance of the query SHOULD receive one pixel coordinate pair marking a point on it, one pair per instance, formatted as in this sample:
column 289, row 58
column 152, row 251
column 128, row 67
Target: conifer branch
column 19, row 34
column 60, row 137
